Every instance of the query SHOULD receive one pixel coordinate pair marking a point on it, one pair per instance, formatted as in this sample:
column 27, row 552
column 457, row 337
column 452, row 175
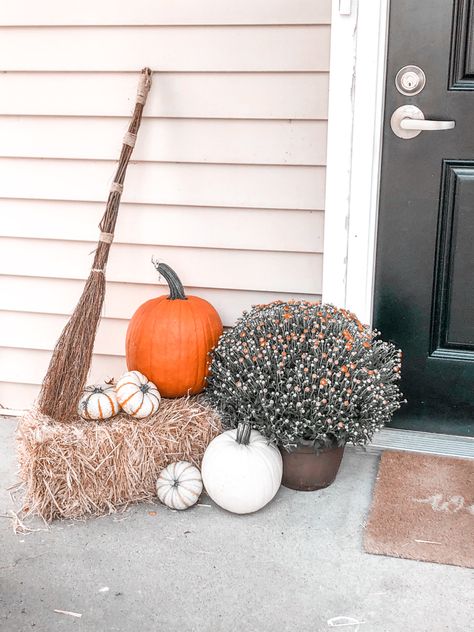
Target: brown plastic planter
column 307, row 470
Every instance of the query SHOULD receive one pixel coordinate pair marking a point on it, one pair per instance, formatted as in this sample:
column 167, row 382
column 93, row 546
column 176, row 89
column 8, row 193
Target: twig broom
column 71, row 360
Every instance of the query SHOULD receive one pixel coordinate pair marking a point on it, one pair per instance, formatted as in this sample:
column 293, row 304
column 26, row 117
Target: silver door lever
column 424, row 125
column 408, row 121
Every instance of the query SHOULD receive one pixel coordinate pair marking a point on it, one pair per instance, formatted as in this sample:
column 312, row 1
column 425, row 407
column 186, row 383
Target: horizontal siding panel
column 167, row 140
column 28, row 366
column 166, row 183
column 175, row 95
column 18, row 396
column 230, row 228
column 122, row 12
column 230, row 269
column 165, row 49
column 59, row 296
column 41, row 331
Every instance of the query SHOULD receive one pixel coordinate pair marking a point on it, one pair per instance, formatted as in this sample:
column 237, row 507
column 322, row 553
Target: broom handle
column 109, row 219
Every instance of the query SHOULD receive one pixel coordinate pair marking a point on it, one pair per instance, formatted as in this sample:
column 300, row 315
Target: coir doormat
column 423, row 509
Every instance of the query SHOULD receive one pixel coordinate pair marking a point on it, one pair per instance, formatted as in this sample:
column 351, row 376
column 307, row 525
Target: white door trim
column 356, row 98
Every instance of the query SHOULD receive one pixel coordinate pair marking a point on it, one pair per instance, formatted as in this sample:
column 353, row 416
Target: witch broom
column 71, row 360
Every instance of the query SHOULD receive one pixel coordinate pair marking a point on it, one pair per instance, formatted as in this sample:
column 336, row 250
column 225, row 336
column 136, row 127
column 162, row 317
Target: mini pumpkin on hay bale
column 85, row 467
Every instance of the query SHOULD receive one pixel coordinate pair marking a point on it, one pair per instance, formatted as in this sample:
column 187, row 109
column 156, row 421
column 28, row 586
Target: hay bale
column 83, row 467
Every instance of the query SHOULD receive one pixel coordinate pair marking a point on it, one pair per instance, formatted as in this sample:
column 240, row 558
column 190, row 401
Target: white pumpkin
column 241, row 471
column 179, row 485
column 98, row 401
column 137, row 395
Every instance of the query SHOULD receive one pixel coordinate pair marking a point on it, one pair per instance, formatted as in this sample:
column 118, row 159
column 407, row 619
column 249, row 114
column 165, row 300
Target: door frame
column 359, row 35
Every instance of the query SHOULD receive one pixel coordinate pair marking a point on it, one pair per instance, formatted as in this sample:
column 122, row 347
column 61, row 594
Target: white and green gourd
column 179, row 485
column 98, row 402
column 137, row 395
column 241, row 470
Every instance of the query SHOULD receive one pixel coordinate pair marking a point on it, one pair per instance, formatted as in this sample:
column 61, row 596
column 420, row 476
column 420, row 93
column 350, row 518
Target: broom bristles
column 71, row 359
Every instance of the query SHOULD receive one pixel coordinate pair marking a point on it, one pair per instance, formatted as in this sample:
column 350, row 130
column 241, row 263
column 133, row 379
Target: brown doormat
column 423, row 509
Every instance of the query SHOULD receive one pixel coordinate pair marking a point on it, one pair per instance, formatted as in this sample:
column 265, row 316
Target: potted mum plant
column 311, row 378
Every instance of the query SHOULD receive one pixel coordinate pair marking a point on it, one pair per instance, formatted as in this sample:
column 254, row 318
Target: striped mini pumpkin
column 137, row 395
column 179, row 485
column 99, row 401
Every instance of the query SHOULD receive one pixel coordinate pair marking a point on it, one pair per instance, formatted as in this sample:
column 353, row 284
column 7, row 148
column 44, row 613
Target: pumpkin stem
column 172, row 279
column 243, row 433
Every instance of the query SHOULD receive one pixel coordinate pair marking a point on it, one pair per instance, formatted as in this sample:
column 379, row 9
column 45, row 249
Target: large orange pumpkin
column 169, row 339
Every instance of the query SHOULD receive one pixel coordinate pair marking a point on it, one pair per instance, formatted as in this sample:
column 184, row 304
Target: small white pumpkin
column 137, row 395
column 241, row 471
column 98, row 401
column 179, row 485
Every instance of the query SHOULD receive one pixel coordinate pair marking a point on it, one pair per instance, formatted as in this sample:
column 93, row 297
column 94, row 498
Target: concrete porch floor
column 295, row 566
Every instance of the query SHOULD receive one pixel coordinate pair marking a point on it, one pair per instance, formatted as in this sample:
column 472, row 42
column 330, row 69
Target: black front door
column 424, row 281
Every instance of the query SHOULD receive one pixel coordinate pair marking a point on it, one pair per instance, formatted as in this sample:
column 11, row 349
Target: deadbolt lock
column 410, row 80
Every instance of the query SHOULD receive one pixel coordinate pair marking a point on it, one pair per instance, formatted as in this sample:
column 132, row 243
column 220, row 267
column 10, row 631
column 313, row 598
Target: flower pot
column 307, row 470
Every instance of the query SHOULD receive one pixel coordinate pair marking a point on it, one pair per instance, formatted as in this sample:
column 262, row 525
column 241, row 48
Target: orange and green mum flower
column 300, row 370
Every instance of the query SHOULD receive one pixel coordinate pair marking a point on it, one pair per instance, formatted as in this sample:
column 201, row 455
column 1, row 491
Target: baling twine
column 116, row 187
column 106, row 237
column 143, row 88
column 129, row 139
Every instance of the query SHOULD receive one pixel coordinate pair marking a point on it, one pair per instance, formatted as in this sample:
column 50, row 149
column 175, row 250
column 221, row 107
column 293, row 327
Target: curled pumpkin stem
column 175, row 286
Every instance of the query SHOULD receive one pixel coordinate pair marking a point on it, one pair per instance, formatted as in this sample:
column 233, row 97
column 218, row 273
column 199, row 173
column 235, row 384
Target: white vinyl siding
column 227, row 178
column 165, row 12
column 261, row 96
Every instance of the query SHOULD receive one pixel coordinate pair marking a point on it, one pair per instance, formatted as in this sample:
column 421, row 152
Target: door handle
column 408, row 121
column 424, row 126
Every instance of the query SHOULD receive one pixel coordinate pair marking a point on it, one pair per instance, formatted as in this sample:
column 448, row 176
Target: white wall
column 227, row 181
